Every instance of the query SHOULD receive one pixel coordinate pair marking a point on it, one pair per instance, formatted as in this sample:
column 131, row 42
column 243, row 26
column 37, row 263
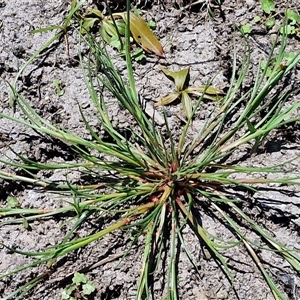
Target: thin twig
column 87, row 268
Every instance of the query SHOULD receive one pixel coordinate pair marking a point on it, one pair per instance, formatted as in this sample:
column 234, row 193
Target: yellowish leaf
column 209, row 93
column 142, row 34
column 207, row 90
column 179, row 77
column 167, row 99
column 187, row 104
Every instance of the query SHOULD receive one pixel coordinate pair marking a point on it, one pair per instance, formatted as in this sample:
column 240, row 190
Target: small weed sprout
column 156, row 183
column 80, row 288
column 59, row 87
column 269, row 20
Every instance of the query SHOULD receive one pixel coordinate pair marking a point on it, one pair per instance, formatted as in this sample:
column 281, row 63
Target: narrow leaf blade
column 187, row 104
column 207, row 90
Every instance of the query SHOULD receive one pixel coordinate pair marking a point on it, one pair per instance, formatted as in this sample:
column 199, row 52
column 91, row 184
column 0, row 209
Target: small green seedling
column 246, row 29
column 137, row 11
column 151, row 24
column 138, row 54
column 293, row 26
column 270, row 23
column 80, row 288
column 267, row 6
column 182, row 91
column 292, row 17
column 13, row 202
column 59, row 87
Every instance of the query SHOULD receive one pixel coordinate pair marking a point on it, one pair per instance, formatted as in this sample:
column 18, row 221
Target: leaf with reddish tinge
column 142, row 34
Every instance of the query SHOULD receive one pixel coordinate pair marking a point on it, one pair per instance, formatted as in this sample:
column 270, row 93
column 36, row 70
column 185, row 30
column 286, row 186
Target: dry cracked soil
column 191, row 37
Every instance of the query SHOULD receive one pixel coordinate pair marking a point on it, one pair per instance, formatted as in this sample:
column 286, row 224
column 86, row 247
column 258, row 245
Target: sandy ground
column 190, row 38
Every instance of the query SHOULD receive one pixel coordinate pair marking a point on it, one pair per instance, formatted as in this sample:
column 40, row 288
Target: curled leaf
column 111, row 31
column 106, row 37
column 89, row 19
column 88, row 24
column 109, row 28
column 142, row 34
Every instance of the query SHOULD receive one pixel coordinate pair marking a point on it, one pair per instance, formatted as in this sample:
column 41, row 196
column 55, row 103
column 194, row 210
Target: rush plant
column 154, row 184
